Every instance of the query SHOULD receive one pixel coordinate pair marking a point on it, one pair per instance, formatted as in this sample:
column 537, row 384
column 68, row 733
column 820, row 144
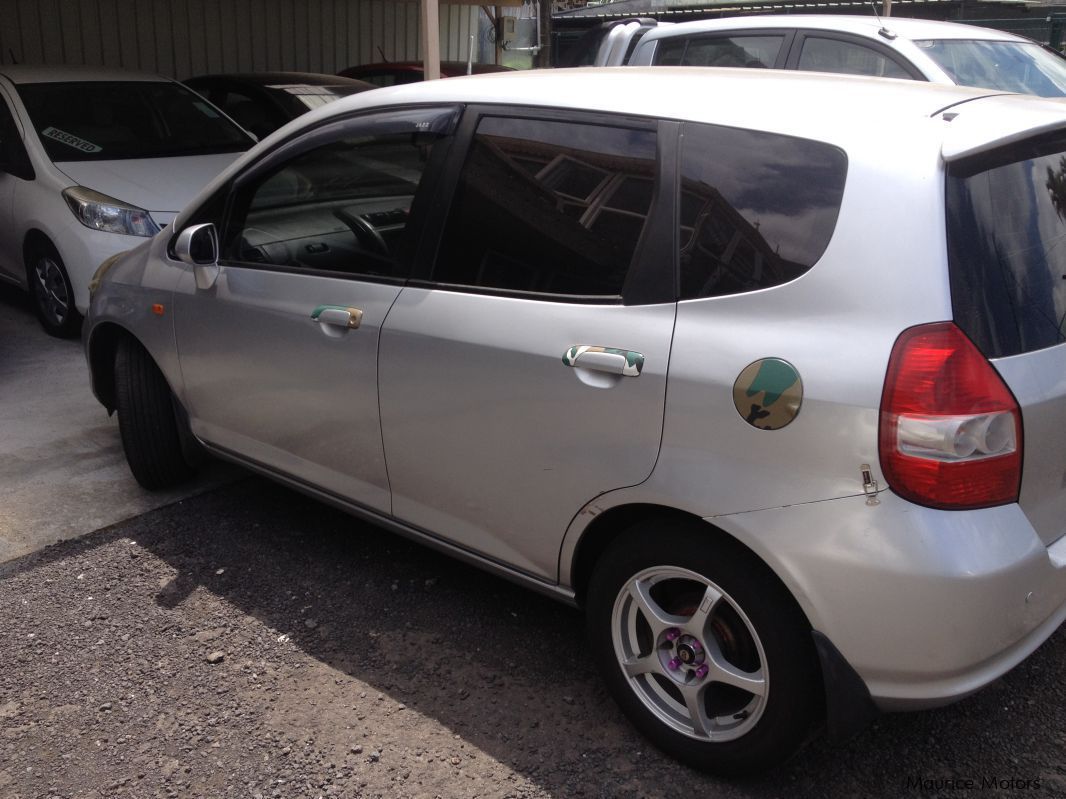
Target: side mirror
column 197, row 246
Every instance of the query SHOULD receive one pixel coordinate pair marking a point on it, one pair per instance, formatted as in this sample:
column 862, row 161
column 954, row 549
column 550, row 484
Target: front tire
column 147, row 421
column 53, row 295
column 703, row 648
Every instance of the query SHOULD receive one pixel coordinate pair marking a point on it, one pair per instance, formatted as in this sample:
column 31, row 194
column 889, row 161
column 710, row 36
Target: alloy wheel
column 50, row 288
column 690, row 654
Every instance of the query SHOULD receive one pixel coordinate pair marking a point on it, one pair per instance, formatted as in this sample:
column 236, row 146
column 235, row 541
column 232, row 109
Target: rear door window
column 757, row 209
column 1006, row 215
column 732, row 50
column 549, row 207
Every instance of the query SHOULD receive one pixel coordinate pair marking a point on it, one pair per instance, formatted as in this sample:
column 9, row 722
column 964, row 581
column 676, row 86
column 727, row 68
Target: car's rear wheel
column 703, row 648
column 53, row 296
column 151, row 435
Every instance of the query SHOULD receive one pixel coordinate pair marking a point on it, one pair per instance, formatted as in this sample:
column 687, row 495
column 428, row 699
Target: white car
column 892, row 47
column 92, row 162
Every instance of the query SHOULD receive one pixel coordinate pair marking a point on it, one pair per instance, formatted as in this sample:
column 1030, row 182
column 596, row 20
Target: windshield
column 1022, row 67
column 97, row 121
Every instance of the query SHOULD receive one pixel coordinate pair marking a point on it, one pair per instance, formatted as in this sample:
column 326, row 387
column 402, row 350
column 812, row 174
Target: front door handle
column 338, row 316
column 605, row 359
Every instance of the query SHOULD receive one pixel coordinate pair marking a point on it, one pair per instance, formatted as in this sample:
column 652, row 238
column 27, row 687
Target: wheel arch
column 846, row 700
column 100, row 351
column 606, row 526
column 603, row 530
column 34, row 238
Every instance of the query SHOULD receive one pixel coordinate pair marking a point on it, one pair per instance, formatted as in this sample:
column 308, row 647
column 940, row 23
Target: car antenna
column 885, row 32
column 381, row 53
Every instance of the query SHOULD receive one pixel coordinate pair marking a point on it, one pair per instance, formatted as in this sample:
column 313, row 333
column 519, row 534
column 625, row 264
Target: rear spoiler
column 986, row 123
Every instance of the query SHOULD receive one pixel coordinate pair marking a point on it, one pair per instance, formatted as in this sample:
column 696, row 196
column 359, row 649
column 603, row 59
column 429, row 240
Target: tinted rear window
column 1007, row 246
column 757, row 209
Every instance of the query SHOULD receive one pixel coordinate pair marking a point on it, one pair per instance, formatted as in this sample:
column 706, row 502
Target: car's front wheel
column 703, row 648
column 147, row 421
column 53, row 296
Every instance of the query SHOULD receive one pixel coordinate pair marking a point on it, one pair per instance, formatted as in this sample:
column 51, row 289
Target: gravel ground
column 250, row 642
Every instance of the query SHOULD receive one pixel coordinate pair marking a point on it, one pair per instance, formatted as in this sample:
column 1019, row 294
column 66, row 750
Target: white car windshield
column 103, row 121
column 1021, row 67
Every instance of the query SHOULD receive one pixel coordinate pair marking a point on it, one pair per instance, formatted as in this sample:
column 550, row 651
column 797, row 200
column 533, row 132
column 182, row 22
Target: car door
column 279, row 353
column 15, row 170
column 523, row 373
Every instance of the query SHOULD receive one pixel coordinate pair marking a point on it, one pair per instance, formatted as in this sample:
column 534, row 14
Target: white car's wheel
column 53, row 296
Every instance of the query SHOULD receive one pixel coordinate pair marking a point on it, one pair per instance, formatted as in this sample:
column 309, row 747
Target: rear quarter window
column 1006, row 218
column 757, row 209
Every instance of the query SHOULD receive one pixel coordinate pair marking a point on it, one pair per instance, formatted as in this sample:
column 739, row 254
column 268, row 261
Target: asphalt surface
column 247, row 641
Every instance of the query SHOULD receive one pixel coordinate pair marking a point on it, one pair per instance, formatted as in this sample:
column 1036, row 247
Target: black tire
column 53, row 296
column 151, row 436
column 769, row 639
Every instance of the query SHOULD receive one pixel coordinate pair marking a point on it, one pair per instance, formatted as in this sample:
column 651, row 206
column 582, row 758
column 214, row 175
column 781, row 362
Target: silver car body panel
column 492, row 439
column 1038, row 380
column 957, row 598
column 264, row 380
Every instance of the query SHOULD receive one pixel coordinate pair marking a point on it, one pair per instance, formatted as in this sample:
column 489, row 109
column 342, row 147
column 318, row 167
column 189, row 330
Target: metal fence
column 1049, row 29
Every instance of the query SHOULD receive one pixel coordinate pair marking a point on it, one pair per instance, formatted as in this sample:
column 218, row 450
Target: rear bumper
column 926, row 606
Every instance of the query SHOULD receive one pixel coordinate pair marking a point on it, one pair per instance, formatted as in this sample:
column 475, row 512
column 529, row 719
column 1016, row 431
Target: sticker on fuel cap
column 768, row 393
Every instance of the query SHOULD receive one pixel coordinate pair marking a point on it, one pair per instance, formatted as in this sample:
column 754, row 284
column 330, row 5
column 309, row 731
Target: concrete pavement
column 62, row 471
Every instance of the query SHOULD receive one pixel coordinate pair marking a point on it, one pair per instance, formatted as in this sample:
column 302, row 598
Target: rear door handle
column 338, row 316
column 605, row 359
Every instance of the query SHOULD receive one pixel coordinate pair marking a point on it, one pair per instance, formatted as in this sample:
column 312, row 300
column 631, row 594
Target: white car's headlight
column 100, row 212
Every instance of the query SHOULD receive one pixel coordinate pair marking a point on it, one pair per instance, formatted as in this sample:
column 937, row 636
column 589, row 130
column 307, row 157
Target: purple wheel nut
column 701, row 672
column 674, row 664
column 673, row 634
column 697, row 647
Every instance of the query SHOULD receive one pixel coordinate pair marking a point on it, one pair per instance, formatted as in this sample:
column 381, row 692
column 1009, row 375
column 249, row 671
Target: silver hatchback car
column 772, row 385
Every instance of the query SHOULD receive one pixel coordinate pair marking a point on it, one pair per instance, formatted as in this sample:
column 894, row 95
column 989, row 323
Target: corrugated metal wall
column 180, row 38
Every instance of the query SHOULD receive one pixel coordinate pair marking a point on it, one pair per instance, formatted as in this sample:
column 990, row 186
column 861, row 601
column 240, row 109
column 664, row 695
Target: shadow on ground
column 508, row 670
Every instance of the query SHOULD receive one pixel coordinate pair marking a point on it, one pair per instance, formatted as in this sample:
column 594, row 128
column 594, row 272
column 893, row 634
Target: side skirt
column 552, row 590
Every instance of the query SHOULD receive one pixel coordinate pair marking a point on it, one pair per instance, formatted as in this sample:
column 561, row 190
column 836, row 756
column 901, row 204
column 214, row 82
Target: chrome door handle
column 605, row 359
column 348, row 318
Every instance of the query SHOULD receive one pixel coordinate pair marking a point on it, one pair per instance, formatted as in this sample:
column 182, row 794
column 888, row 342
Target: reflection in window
column 1023, row 67
column 548, row 207
column 757, row 209
column 833, row 55
column 721, row 51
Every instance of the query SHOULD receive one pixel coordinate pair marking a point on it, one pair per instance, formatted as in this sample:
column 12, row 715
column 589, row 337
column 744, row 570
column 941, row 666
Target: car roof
column 863, row 25
column 282, row 79
column 844, row 109
column 28, row 73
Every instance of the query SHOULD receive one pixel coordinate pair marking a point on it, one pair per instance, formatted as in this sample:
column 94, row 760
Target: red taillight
column 951, row 431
